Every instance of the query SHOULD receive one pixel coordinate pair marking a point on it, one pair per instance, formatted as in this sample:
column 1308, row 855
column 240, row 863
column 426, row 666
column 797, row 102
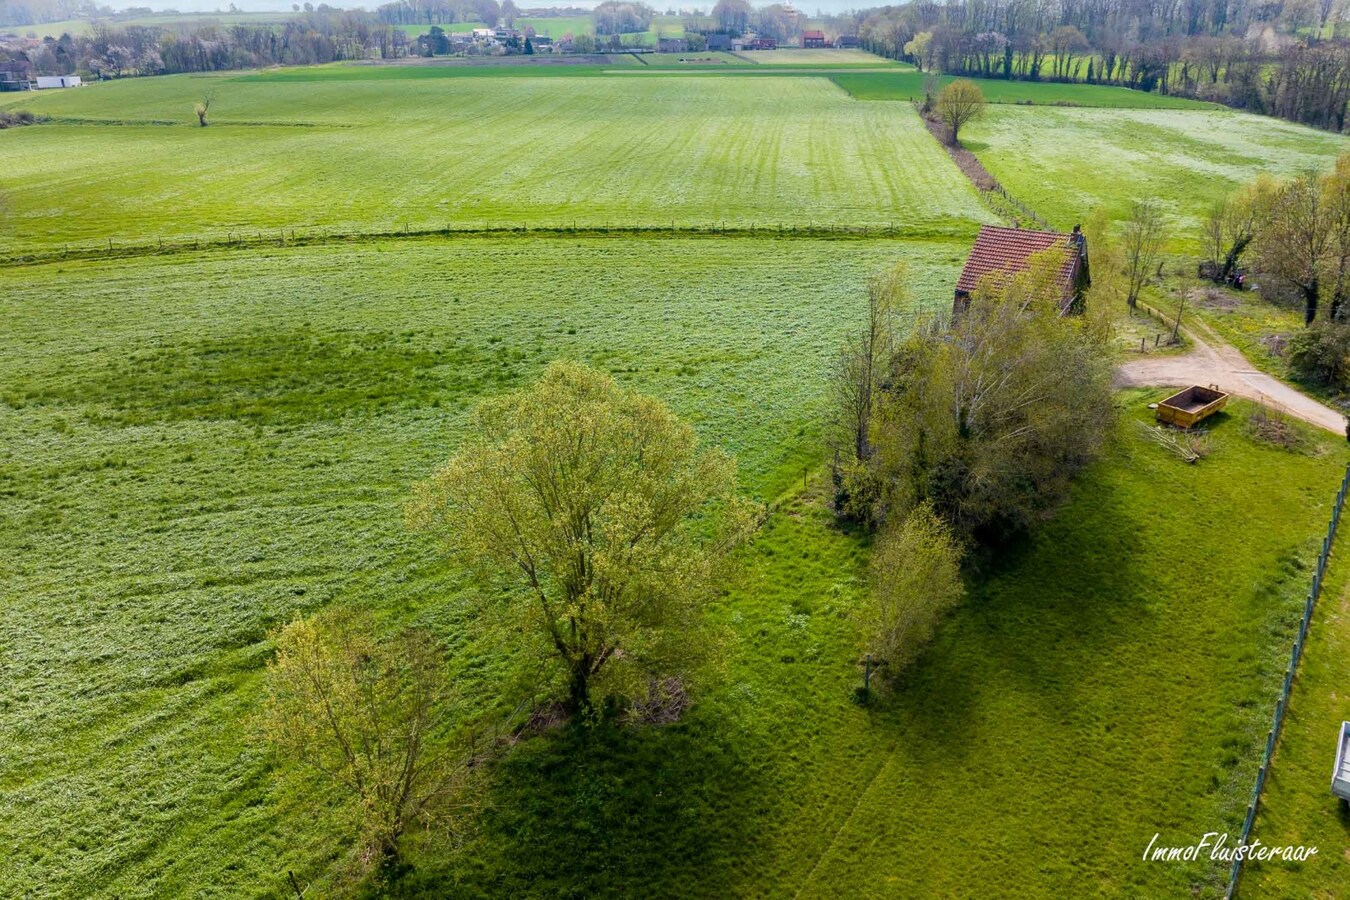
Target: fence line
column 112, row 248
column 1282, row 704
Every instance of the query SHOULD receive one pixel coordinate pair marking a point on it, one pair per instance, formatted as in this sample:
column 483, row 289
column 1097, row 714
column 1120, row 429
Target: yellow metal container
column 1185, row 409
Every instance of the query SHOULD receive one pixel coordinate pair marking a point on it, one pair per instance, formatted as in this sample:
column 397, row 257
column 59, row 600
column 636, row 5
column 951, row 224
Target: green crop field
column 1065, row 162
column 198, row 444
column 593, row 151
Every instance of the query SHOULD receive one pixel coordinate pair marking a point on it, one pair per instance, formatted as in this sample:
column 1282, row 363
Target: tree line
column 309, row 38
column 1290, row 60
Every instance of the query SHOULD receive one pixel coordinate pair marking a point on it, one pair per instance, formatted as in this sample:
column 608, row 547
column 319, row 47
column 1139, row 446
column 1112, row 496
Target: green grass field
column 470, row 151
column 793, row 56
column 909, row 85
column 557, row 26
column 227, row 457
column 1065, row 162
column 196, row 446
column 1298, row 807
column 452, row 28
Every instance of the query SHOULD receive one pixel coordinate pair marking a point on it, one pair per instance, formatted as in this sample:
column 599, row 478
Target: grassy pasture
column 557, row 26
column 795, row 56
column 1298, row 807
column 908, row 85
column 452, row 28
column 193, row 449
column 472, row 151
column 1064, row 162
column 231, row 437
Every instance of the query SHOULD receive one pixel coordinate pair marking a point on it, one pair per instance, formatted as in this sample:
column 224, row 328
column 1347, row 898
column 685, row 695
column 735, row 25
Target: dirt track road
column 1214, row 361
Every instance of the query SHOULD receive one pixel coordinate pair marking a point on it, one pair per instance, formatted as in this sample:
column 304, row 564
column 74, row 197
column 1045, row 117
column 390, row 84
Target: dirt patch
column 1212, row 298
column 966, row 161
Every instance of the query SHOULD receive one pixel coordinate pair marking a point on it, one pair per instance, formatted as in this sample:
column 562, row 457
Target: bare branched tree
column 863, row 359
column 204, row 107
column 1141, row 239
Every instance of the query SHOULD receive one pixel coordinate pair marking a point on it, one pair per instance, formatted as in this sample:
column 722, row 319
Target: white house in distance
column 58, row 81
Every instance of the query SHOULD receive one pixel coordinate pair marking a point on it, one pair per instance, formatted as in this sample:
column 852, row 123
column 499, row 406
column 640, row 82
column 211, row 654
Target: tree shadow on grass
column 1038, row 611
column 609, row 810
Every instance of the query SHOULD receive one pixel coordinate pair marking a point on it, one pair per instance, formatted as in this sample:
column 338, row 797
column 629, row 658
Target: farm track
column 1215, row 361
column 254, row 239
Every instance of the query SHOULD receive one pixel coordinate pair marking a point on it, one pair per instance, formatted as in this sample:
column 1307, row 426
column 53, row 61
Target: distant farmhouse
column 1004, row 252
column 672, row 45
column 719, row 42
column 814, row 38
column 848, row 42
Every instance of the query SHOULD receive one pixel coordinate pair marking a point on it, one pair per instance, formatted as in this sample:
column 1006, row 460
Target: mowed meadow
column 468, row 151
column 1064, row 162
column 198, row 445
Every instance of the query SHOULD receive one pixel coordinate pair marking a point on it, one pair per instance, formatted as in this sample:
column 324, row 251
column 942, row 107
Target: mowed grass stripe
column 682, row 152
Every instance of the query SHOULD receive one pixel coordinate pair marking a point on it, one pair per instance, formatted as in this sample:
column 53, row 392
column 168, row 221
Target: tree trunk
column 1231, row 260
column 579, row 691
column 1310, row 302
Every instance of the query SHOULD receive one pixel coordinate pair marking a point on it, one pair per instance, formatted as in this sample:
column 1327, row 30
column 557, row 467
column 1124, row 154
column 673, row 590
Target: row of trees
column 623, row 17
column 321, row 36
column 736, row 17
column 1287, row 60
column 444, row 12
column 1296, row 230
column 961, row 433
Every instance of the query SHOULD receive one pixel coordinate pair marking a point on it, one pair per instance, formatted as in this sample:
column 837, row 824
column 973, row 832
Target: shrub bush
column 1321, row 353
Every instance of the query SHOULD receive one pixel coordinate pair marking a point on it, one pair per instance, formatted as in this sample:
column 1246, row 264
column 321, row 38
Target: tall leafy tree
column 595, row 521
column 915, row 580
column 959, row 104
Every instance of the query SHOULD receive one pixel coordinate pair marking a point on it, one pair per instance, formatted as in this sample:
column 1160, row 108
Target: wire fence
column 1282, row 704
column 114, row 248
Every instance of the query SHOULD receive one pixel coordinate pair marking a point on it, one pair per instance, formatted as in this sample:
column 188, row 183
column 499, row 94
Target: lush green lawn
column 1065, row 162
column 592, row 151
column 909, row 85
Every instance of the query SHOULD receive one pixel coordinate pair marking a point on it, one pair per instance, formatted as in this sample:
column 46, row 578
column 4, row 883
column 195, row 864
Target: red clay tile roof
column 1008, row 249
column 813, row 35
